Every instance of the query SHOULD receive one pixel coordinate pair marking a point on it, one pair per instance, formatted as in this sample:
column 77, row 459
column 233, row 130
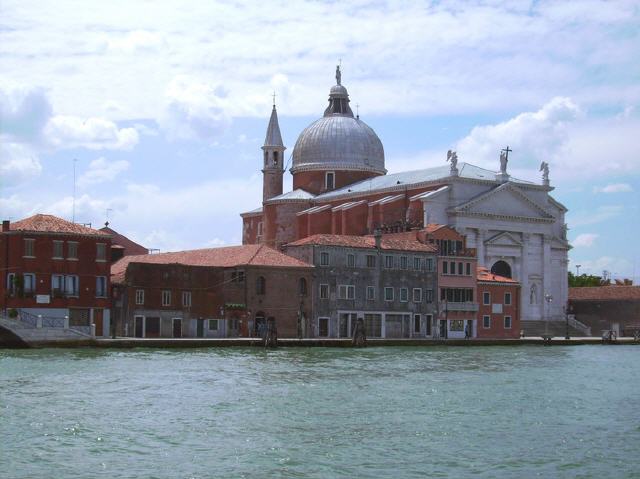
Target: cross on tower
column 274, row 98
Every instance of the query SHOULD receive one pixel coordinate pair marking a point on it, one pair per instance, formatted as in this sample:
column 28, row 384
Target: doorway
column 98, row 321
column 323, row 327
column 177, row 327
column 200, row 328
column 139, row 326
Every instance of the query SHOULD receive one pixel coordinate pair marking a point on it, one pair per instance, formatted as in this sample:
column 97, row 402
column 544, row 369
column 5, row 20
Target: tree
column 585, row 280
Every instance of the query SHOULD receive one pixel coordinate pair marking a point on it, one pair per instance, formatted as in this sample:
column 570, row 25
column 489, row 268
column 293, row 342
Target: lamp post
column 566, row 317
column 578, row 266
column 548, row 298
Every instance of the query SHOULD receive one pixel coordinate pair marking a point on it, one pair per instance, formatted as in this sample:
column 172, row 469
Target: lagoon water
column 321, row 413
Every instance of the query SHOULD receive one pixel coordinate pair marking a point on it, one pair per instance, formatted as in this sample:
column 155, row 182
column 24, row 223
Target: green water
column 321, row 413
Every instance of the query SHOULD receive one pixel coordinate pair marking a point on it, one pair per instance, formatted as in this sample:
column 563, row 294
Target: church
column 341, row 186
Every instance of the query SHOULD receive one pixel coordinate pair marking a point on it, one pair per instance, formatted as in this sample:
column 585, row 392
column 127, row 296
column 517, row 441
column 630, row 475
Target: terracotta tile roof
column 226, row 257
column 604, row 293
column 402, row 244
column 52, row 224
column 433, row 227
column 130, row 247
column 485, row 275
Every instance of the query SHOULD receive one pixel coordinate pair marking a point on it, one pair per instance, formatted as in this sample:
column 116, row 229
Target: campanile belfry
column 273, row 161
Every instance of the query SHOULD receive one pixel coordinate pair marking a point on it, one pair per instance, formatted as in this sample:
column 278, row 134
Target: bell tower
column 273, row 158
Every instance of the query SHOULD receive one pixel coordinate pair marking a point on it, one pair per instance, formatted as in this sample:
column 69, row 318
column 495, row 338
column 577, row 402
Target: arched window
column 501, row 268
column 302, row 287
column 266, row 158
column 261, row 285
column 275, row 158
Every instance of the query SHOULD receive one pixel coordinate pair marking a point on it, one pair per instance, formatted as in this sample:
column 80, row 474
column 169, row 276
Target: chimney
column 6, row 226
column 377, row 235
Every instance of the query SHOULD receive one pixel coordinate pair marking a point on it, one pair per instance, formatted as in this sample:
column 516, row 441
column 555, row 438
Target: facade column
column 525, row 307
column 480, row 236
column 546, row 277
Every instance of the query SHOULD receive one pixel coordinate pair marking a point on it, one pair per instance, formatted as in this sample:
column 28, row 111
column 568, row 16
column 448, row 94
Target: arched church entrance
column 501, row 268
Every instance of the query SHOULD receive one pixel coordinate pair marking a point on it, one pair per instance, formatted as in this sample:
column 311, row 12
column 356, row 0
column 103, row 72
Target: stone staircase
column 553, row 328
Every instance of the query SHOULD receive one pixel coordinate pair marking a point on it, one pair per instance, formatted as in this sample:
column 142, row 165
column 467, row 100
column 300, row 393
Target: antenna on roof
column 106, row 223
column 73, row 216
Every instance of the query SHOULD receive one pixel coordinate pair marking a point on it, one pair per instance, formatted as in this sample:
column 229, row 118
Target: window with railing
column 166, row 298
column 139, row 297
column 456, row 295
column 101, row 286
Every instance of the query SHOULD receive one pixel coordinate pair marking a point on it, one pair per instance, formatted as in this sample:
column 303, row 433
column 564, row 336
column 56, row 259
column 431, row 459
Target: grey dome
column 338, row 141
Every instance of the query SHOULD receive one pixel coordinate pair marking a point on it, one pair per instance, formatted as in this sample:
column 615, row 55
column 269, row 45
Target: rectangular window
column 388, row 294
column 58, row 249
column 166, row 298
column 445, row 267
column 101, row 252
column 324, row 259
column 213, row 325
column 57, row 285
column 329, row 182
column 507, row 298
column 371, row 293
column 139, row 296
column 429, row 264
column 240, row 277
column 427, row 322
column 404, row 295
column 428, row 295
column 417, row 295
column 29, row 248
column 486, row 298
column 29, row 283
column 456, row 325
column 417, row 263
column 468, row 269
column 388, row 261
column 460, row 269
column 371, row 261
column 101, row 286
column 72, row 285
column 346, row 291
column 324, row 291
column 351, row 260
column 507, row 322
column 403, row 262
column 452, row 267
column 416, row 323
column 486, row 322
column 186, row 299
column 72, row 250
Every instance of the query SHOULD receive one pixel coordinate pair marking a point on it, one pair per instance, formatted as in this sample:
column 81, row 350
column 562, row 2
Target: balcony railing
column 466, row 306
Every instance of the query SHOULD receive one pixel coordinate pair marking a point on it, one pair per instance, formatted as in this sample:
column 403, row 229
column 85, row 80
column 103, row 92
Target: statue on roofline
column 544, row 167
column 338, row 75
column 503, row 162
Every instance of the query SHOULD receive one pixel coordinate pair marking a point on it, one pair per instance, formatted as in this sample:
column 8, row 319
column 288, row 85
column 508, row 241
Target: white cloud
column 614, row 188
column 533, row 136
column 18, row 163
column 597, row 215
column 92, row 133
column 194, row 110
column 24, row 113
column 585, row 240
column 136, row 41
column 102, row 170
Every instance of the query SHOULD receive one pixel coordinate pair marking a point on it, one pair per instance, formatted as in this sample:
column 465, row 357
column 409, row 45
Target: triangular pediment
column 505, row 201
column 503, row 239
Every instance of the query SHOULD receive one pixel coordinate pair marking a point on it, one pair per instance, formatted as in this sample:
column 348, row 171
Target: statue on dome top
column 338, row 75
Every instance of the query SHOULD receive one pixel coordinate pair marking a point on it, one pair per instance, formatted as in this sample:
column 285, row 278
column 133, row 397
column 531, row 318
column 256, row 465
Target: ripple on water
column 314, row 412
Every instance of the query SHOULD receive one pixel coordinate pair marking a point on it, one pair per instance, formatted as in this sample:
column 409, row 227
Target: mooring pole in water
column 359, row 335
column 271, row 336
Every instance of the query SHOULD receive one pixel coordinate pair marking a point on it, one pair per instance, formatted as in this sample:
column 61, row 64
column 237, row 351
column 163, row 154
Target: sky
column 162, row 106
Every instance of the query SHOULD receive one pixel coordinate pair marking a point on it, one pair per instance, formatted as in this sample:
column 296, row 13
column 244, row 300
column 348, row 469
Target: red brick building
column 55, row 270
column 217, row 292
column 121, row 245
column 499, row 312
column 604, row 308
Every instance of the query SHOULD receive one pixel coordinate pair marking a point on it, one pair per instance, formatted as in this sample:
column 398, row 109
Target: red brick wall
column 320, row 222
column 250, row 229
column 44, row 266
column 280, row 222
column 314, row 181
column 497, row 329
column 271, row 184
column 354, row 220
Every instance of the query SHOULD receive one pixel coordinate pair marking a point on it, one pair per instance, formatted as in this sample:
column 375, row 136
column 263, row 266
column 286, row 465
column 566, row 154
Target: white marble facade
column 515, row 222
